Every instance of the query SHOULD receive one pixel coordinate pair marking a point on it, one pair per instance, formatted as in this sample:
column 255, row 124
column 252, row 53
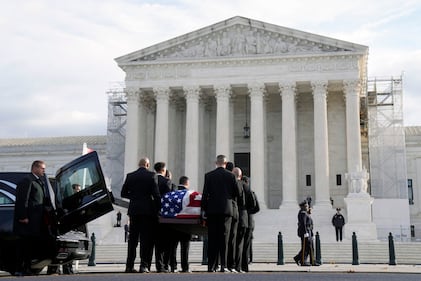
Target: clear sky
column 57, row 57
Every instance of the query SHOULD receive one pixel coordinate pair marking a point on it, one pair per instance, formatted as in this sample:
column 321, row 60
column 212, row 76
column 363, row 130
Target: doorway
column 242, row 160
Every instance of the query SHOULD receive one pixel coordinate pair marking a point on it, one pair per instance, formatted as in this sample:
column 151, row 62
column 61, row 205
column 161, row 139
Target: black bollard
column 280, row 250
column 354, row 250
column 205, row 250
column 392, row 259
column 318, row 251
column 92, row 256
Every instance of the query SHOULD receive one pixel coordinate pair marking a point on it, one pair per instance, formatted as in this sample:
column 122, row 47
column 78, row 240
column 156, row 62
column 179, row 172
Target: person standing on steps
column 338, row 221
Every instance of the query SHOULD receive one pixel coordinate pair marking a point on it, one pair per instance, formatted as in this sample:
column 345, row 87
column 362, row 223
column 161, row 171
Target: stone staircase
column 112, row 249
column 335, row 253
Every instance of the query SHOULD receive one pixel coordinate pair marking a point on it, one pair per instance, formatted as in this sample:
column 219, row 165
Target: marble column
column 321, row 142
column 161, row 125
column 142, row 125
column 257, row 142
column 192, row 95
column 132, row 132
column 223, row 129
column 353, row 133
column 289, row 145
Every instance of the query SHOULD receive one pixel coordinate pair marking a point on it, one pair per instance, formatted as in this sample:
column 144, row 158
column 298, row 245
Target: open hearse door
column 76, row 208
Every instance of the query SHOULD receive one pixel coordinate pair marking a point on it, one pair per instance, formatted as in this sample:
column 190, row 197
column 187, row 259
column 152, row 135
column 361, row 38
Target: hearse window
column 4, row 200
column 84, row 175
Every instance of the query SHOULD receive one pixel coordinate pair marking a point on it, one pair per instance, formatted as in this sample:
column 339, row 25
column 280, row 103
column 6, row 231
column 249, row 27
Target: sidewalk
column 272, row 267
column 263, row 267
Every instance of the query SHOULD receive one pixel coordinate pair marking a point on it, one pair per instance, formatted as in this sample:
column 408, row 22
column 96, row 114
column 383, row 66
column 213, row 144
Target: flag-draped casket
column 181, row 210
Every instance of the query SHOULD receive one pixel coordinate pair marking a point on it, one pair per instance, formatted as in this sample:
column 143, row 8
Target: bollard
column 354, row 250
column 92, row 256
column 205, row 250
column 392, row 259
column 280, row 250
column 318, row 251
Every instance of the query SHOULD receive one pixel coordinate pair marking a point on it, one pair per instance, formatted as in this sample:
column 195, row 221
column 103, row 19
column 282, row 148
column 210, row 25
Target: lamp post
column 246, row 128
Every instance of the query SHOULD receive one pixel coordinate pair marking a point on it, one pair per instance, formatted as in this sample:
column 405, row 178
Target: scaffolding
column 386, row 138
column 116, row 135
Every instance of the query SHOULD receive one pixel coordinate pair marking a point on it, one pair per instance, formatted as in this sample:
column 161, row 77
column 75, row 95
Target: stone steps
column 339, row 253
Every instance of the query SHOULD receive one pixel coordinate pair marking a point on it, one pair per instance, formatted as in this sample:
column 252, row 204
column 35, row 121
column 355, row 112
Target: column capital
column 352, row 87
column 319, row 86
column 192, row 93
column 223, row 91
column 162, row 94
column 287, row 89
column 256, row 90
column 132, row 94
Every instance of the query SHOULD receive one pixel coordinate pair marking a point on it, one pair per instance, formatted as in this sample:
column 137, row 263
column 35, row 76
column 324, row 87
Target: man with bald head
column 242, row 220
column 141, row 188
column 219, row 189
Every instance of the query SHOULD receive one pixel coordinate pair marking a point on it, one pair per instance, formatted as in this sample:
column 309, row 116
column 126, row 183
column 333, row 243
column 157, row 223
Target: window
column 410, row 192
column 308, row 180
column 338, row 179
column 5, row 200
column 84, row 175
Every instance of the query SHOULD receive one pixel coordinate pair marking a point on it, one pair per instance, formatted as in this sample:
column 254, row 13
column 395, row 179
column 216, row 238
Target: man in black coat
column 304, row 232
column 162, row 241
column 141, row 188
column 219, row 189
column 181, row 237
column 32, row 201
column 242, row 224
column 252, row 207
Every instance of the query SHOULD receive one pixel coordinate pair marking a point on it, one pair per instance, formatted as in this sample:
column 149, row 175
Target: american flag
column 181, row 204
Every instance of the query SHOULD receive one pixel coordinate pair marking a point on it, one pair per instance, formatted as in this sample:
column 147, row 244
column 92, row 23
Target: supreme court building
column 283, row 104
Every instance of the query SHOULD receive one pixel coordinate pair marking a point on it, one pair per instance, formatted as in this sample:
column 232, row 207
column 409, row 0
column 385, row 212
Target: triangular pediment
column 241, row 37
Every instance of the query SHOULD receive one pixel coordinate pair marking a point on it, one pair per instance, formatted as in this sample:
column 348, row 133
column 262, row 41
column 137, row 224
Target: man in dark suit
column 181, row 237
column 162, row 242
column 141, row 188
column 242, row 221
column 304, row 232
column 219, row 189
column 252, row 207
column 32, row 201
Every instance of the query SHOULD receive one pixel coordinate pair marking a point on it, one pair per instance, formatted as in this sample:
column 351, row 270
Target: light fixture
column 246, row 128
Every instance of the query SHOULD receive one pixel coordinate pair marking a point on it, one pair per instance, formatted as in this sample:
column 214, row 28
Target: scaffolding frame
column 386, row 138
column 116, row 134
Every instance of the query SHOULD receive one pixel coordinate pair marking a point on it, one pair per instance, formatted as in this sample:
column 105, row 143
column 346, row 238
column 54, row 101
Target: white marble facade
column 187, row 100
column 190, row 97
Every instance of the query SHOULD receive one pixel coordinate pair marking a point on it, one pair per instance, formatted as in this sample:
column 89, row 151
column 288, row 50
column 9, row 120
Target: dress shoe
column 316, row 264
column 143, row 270
column 163, row 271
column 186, row 271
column 297, row 260
column 224, row 270
column 130, row 270
column 306, row 264
column 232, row 270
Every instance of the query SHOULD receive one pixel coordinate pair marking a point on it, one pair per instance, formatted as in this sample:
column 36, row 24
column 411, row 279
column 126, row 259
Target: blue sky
column 57, row 57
